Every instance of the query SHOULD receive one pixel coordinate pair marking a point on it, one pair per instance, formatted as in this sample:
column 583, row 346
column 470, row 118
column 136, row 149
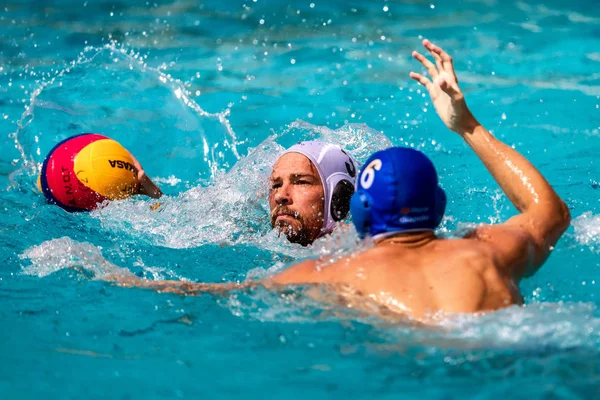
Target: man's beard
column 296, row 234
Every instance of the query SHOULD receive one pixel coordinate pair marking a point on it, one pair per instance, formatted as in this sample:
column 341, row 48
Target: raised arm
column 524, row 241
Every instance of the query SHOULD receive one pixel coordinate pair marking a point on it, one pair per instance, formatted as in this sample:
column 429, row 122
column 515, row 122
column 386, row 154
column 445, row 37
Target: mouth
column 284, row 217
column 281, row 217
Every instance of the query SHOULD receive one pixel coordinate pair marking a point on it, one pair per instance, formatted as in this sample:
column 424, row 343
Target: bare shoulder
column 511, row 247
column 303, row 272
column 322, row 271
column 504, row 240
column 467, row 252
column 497, row 234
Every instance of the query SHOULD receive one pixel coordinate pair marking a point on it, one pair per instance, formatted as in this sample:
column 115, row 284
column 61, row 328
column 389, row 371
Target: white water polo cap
column 337, row 170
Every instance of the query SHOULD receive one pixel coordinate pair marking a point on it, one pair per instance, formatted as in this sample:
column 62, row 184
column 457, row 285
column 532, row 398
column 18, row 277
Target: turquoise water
column 206, row 95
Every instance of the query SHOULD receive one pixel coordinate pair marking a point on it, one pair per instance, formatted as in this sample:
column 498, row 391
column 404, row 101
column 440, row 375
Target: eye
column 276, row 185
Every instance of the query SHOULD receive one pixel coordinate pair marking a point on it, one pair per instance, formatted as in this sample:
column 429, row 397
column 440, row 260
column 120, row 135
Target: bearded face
column 296, row 199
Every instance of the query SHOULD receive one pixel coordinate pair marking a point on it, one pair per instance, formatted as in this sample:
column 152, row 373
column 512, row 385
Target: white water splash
column 65, row 253
column 358, row 139
column 587, row 230
column 171, row 180
column 234, row 210
column 539, row 325
column 118, row 53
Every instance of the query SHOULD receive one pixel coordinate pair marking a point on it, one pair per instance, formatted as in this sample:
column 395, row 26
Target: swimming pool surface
column 206, row 94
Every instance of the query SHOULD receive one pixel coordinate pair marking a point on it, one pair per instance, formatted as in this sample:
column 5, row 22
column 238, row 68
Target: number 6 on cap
column 368, row 175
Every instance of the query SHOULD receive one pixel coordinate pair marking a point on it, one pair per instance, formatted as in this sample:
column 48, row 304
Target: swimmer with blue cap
column 399, row 203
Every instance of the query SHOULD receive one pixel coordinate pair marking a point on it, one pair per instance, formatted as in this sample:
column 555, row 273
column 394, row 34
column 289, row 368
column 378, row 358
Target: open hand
column 445, row 94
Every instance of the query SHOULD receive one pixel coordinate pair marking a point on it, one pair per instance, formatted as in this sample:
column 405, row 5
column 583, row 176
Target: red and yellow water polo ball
column 84, row 170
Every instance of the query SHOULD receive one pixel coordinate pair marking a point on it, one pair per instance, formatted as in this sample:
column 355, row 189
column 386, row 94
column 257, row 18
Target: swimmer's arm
column 543, row 214
column 181, row 287
column 524, row 241
column 147, row 187
column 302, row 273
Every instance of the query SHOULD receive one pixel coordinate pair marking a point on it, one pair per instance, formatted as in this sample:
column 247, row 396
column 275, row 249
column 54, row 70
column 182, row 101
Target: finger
column 450, row 89
column 431, row 70
column 443, row 58
column 438, row 60
column 421, row 79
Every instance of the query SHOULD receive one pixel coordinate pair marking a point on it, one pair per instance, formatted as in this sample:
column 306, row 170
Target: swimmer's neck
column 408, row 239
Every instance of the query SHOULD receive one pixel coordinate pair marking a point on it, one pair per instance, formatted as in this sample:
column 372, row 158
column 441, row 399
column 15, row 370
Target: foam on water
column 230, row 211
column 171, row 180
column 535, row 326
column 587, row 230
column 234, row 210
column 65, row 253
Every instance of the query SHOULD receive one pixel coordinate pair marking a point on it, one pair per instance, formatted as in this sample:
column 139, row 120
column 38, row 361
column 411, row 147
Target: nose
column 282, row 195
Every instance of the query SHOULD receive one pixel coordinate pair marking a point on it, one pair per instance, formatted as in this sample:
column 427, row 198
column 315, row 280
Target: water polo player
column 398, row 203
column 311, row 187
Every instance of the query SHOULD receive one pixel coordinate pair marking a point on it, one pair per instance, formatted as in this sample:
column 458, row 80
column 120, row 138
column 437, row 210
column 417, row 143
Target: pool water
column 206, row 95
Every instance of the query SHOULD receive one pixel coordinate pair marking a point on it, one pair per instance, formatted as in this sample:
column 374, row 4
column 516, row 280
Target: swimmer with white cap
column 311, row 186
column 398, row 204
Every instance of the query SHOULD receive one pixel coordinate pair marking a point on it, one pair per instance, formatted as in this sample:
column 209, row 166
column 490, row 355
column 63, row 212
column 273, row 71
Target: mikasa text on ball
column 87, row 169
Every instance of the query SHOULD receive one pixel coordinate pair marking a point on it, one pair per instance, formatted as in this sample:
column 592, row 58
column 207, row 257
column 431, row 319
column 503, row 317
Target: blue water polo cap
column 397, row 192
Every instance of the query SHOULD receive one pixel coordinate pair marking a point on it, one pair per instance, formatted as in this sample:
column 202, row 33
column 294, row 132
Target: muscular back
column 453, row 276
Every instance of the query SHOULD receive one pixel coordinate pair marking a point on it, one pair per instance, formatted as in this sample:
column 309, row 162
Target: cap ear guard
column 360, row 208
column 440, row 205
column 340, row 199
